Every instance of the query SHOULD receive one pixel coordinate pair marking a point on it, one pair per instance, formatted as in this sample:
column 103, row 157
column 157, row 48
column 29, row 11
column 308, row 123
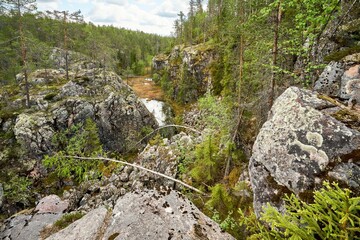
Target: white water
column 156, row 108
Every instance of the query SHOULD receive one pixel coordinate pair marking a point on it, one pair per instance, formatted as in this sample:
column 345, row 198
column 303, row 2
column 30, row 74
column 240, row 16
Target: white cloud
column 153, row 16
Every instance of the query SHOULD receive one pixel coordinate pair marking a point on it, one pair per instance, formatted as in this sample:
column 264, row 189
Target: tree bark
column 275, row 54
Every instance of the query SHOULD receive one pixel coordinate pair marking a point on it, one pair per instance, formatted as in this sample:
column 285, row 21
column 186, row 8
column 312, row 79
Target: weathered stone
column 347, row 173
column 86, row 228
column 51, row 204
column 350, row 74
column 1, row 195
column 195, row 61
column 27, row 227
column 151, row 215
column 34, row 132
column 330, row 79
column 297, row 146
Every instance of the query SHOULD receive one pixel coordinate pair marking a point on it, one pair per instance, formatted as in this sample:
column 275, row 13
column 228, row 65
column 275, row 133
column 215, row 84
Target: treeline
column 28, row 37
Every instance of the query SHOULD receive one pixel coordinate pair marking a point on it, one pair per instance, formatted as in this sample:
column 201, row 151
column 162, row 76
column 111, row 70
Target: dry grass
column 145, row 89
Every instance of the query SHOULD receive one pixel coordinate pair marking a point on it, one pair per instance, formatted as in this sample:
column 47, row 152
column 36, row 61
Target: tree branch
column 139, row 167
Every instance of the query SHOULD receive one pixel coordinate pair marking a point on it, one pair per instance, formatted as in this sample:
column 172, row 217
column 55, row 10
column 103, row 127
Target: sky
column 151, row 16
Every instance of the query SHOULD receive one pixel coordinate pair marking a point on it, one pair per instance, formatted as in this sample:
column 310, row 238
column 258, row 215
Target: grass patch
column 60, row 224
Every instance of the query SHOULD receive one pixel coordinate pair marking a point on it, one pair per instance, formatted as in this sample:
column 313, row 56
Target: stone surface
column 1, row 195
column 154, row 215
column 330, row 79
column 195, row 61
column 297, row 147
column 51, row 204
column 27, row 227
column 336, row 75
column 86, row 228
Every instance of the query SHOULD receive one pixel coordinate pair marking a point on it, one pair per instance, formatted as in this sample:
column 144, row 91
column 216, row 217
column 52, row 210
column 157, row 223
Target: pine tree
column 18, row 8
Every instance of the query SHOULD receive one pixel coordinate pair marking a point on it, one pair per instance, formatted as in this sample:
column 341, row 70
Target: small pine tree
column 333, row 215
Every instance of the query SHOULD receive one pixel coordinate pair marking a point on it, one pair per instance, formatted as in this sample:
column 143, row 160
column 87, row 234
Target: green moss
column 337, row 56
column 50, row 96
column 348, row 117
column 67, row 219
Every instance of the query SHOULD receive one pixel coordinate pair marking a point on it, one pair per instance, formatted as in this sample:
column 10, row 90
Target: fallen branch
column 139, row 167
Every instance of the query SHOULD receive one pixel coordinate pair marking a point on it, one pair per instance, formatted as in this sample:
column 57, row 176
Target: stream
column 151, row 95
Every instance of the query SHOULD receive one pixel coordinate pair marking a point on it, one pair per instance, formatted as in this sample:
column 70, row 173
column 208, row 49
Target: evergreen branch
column 141, row 168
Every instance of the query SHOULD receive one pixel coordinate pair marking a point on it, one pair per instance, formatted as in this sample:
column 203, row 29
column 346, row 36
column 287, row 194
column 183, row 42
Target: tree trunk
column 275, row 54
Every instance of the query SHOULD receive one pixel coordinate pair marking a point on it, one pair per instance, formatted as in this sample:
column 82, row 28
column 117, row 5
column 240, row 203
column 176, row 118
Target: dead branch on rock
column 141, row 168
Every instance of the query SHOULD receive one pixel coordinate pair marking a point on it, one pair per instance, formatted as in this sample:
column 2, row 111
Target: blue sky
column 152, row 16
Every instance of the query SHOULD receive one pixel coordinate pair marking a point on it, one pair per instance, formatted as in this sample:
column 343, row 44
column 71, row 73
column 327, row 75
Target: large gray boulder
column 154, row 215
column 28, row 225
column 299, row 146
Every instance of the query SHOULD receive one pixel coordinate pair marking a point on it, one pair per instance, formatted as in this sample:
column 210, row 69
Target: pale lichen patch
column 314, row 138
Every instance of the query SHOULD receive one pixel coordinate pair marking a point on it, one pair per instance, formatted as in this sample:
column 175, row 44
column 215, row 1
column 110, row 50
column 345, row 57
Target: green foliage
column 61, row 223
column 206, row 168
column 17, row 189
column 79, row 140
column 67, row 219
column 334, row 214
column 220, row 199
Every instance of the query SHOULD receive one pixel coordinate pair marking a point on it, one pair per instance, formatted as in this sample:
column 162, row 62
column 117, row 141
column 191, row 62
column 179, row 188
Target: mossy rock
column 339, row 55
column 349, row 118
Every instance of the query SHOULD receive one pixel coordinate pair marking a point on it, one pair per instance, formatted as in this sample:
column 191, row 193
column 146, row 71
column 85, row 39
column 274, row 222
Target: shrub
column 84, row 142
column 334, row 214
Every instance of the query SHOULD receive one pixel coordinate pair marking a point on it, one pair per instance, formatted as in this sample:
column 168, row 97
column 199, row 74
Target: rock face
column 336, row 75
column 81, row 229
column 91, row 93
column 29, row 226
column 299, row 146
column 188, row 66
column 146, row 215
column 167, row 216
column 1, row 195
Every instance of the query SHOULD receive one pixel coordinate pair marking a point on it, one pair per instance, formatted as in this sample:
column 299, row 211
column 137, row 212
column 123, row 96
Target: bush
column 83, row 142
column 17, row 190
column 334, row 214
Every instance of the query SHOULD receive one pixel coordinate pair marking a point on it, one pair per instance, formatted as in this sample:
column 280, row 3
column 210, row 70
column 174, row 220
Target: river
column 151, row 95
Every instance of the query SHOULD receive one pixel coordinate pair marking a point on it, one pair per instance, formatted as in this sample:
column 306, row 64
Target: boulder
column 51, row 204
column 336, row 75
column 154, row 215
column 300, row 145
column 26, row 226
column 86, row 228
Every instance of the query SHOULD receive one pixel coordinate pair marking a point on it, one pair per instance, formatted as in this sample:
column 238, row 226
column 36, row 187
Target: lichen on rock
column 297, row 147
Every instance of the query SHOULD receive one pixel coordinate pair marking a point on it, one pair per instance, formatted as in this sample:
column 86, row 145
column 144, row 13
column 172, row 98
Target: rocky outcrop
column 162, row 157
column 336, row 75
column 299, row 146
column 29, row 224
column 91, row 93
column 187, row 67
column 145, row 215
